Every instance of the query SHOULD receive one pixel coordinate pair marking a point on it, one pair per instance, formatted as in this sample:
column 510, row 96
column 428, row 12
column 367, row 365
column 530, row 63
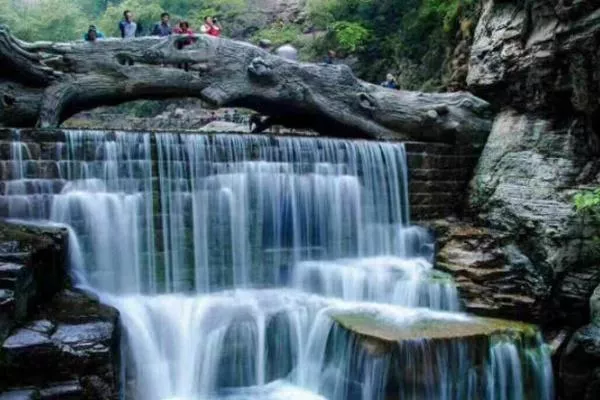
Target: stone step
column 427, row 161
column 427, row 212
column 419, row 186
column 18, row 289
column 439, row 174
column 434, row 198
column 12, row 275
column 16, row 257
column 440, row 148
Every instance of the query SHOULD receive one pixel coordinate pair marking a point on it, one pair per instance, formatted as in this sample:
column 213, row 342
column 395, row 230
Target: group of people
column 131, row 29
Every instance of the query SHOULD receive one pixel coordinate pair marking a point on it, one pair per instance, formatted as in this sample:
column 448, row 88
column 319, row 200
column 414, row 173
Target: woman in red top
column 184, row 29
column 211, row 27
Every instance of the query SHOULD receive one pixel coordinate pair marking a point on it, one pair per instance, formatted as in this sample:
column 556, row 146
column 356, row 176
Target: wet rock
column 63, row 391
column 20, row 395
column 523, row 187
column 537, row 62
column 417, row 350
column 536, row 56
column 493, row 279
column 74, row 334
column 580, row 361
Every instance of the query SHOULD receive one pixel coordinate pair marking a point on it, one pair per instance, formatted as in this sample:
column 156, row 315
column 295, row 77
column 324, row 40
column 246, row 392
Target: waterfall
column 232, row 259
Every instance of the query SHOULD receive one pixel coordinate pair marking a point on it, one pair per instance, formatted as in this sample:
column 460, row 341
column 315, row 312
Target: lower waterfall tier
column 237, row 344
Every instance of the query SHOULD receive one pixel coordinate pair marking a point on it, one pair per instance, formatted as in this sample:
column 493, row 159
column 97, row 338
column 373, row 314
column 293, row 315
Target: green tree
column 350, row 36
column 57, row 20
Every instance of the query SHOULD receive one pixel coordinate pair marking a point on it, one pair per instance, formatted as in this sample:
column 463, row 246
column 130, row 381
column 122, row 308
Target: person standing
column 127, row 26
column 330, row 58
column 93, row 34
column 184, row 29
column 390, row 82
column 162, row 28
column 211, row 26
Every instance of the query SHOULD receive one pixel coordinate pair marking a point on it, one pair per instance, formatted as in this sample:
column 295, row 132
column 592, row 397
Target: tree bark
column 45, row 83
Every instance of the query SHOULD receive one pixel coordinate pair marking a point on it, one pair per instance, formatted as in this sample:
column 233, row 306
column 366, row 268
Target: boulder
column 424, row 354
column 580, row 361
column 69, row 347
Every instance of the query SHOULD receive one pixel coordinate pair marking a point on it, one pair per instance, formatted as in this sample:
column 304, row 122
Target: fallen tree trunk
column 44, row 83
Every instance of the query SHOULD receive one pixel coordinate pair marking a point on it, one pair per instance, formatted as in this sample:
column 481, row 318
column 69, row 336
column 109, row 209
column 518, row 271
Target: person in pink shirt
column 211, row 26
column 184, row 29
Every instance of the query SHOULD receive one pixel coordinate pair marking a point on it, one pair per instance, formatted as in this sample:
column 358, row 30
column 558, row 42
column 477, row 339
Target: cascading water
column 230, row 258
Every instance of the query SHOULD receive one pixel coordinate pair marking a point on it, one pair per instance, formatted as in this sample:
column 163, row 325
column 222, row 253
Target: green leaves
column 351, row 36
column 588, row 202
column 279, row 35
column 55, row 20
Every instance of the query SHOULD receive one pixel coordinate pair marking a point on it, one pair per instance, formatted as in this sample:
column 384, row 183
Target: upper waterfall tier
column 157, row 210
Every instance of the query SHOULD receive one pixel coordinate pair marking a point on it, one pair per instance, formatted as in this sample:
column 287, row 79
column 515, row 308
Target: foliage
column 587, row 203
column 48, row 20
column 413, row 33
column 279, row 34
column 350, row 36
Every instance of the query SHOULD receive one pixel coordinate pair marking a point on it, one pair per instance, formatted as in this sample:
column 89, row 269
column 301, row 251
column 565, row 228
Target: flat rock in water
column 422, row 324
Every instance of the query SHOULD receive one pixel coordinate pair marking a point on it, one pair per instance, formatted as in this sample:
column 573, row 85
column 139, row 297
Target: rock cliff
column 537, row 62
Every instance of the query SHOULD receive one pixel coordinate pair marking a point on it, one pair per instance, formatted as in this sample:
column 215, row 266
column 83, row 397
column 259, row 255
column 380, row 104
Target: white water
column 228, row 256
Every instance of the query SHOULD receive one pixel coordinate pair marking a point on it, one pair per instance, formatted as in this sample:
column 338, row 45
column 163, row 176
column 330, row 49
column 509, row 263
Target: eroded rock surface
column 536, row 61
column 70, row 348
column 55, row 343
column 493, row 276
column 580, row 362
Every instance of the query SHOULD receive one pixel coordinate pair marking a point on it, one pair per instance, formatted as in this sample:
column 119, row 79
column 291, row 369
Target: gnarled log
column 44, row 83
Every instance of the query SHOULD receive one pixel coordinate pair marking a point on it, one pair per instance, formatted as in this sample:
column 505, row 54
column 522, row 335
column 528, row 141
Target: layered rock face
column 493, row 277
column 537, row 62
column 55, row 343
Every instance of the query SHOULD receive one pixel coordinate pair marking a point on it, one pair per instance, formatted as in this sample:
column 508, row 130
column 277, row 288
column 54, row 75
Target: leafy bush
column 350, row 36
column 279, row 34
column 55, row 20
column 417, row 33
column 587, row 202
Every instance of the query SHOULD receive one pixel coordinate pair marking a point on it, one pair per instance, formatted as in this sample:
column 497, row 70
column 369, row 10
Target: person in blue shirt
column 390, row 82
column 162, row 28
column 127, row 26
column 93, row 34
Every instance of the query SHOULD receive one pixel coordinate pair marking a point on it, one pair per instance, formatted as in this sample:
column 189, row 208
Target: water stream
column 230, row 258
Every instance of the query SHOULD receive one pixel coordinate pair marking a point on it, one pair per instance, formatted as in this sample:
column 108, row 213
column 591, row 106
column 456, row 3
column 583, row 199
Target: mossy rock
column 424, row 324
